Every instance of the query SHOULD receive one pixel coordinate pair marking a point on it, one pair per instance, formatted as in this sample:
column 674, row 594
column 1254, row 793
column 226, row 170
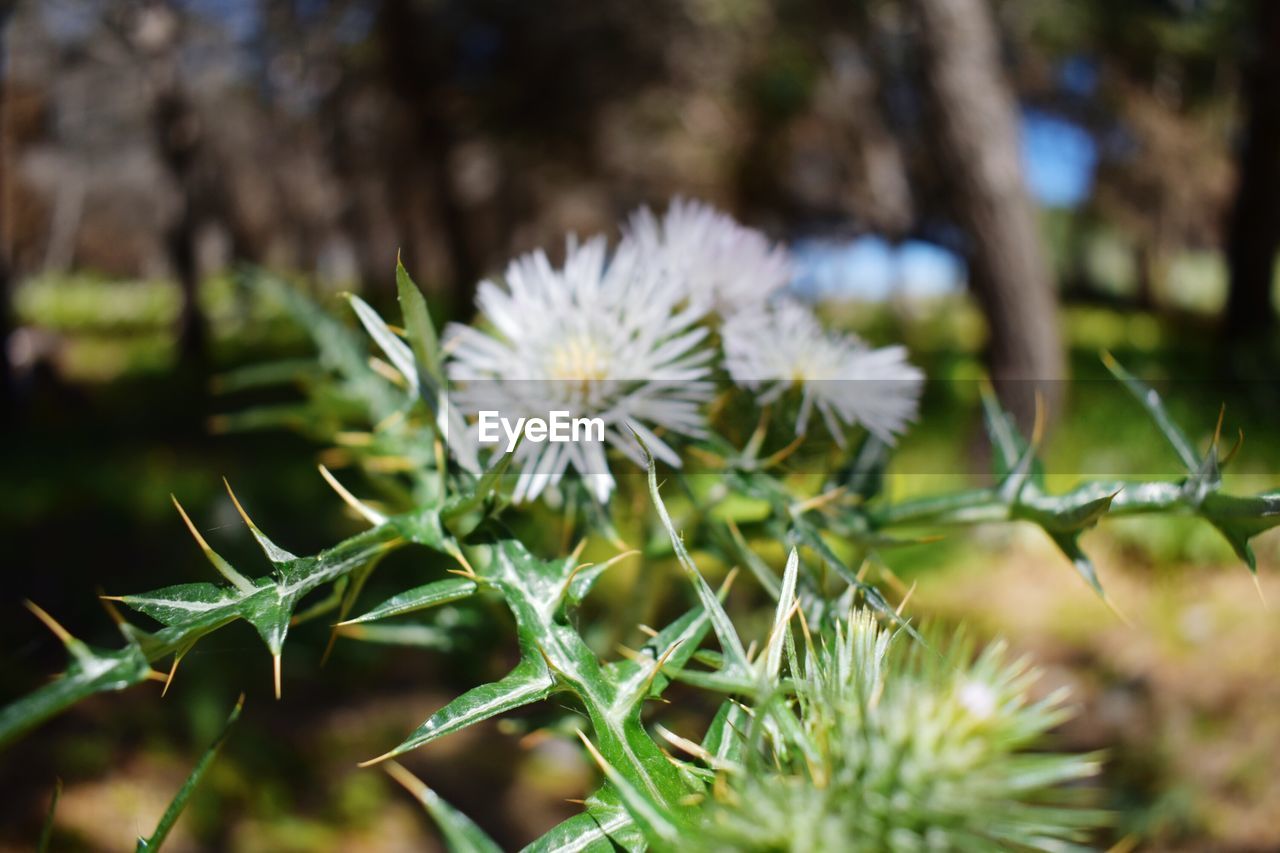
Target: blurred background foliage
column 151, row 148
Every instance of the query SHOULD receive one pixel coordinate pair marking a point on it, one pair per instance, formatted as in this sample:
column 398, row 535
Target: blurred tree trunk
column 417, row 75
column 156, row 35
column 976, row 144
column 8, row 390
column 1254, row 229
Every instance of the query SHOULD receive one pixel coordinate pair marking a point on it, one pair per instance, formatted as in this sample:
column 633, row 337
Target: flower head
column 782, row 345
column 727, row 266
column 599, row 338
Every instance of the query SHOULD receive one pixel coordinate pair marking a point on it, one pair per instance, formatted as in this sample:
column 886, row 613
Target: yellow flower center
column 580, row 359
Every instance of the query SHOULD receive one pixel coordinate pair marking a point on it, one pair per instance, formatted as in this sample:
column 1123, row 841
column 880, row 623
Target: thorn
column 1235, row 448
column 379, row 759
column 575, row 801
column 393, row 418
column 727, row 584
column 336, row 457
column 780, row 456
column 224, row 568
column 591, row 748
column 533, row 738
column 1257, row 583
column 646, row 630
column 808, row 637
column 369, row 515
column 236, row 501
column 894, row 581
column 387, row 372
column 152, row 675
column 1111, row 605
column 169, row 679
column 1217, row 430
column 568, row 582
column 657, row 667
column 411, row 783
column 902, row 605
column 112, row 612
column 1038, row 424
column 628, row 653
column 821, row 500
column 757, row 435
column 49, row 622
column 452, row 549
column 275, row 665
column 578, row 549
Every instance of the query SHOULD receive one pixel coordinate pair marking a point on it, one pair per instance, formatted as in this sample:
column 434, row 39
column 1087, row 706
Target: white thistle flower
column 601, row 339
column 727, row 266
column 783, row 345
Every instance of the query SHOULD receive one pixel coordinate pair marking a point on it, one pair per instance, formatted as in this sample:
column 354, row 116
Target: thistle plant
column 842, row 727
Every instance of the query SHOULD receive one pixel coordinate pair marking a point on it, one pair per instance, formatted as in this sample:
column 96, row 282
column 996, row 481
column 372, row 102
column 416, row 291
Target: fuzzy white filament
column 613, row 339
column 727, row 266
column 782, row 345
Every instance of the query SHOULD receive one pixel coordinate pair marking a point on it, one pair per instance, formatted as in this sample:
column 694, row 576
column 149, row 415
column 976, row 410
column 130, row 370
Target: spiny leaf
column 1070, row 545
column 484, row 488
column 459, row 831
column 771, row 660
column 179, row 802
column 396, row 350
column 417, row 323
column 239, row 581
column 414, row 635
column 806, row 534
column 1150, row 401
column 418, row 598
column 720, row 621
column 649, row 815
column 91, row 670
column 723, row 739
column 1239, row 519
column 528, row 682
column 673, row 646
column 603, row 827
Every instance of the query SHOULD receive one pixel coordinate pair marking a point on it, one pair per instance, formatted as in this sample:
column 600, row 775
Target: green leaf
column 179, row 802
column 528, row 682
column 1239, row 519
column 649, row 814
column 413, row 635
column 418, row 598
column 341, row 350
column 396, row 350
column 603, row 827
column 1069, row 543
column 91, row 670
column 461, row 834
column 46, row 831
column 725, row 632
column 417, row 323
column 1150, row 401
column 865, row 477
